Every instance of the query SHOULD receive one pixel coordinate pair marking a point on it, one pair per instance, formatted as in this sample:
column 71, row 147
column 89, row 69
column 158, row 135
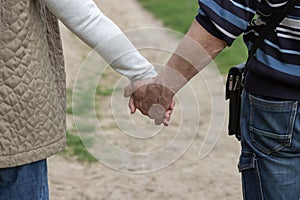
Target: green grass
column 69, row 102
column 179, row 14
column 175, row 14
column 104, row 91
column 231, row 56
column 83, row 105
column 76, row 148
column 84, row 102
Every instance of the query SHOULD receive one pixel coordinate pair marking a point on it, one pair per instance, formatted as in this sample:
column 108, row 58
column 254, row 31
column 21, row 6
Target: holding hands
column 152, row 98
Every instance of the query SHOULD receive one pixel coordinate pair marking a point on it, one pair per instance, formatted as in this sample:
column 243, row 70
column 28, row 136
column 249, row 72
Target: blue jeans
column 26, row 182
column 270, row 158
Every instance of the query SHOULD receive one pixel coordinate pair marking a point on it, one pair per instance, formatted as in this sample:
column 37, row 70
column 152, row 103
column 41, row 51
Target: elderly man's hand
column 152, row 99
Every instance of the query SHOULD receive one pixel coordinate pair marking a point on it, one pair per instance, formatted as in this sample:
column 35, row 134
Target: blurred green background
column 179, row 14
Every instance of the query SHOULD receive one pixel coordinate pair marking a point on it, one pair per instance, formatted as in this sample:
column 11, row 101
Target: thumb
column 128, row 90
column 157, row 112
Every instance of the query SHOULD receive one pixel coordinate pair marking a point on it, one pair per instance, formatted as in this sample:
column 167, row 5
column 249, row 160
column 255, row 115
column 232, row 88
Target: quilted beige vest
column 32, row 83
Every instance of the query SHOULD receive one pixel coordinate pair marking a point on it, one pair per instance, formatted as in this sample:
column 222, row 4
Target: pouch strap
column 276, row 18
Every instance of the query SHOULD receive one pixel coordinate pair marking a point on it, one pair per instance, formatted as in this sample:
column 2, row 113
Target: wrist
column 167, row 88
column 171, row 79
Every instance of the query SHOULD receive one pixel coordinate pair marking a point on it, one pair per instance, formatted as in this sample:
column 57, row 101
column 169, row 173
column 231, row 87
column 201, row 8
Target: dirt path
column 190, row 177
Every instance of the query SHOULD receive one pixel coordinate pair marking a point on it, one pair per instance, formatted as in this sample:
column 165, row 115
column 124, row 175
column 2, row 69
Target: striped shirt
column 274, row 71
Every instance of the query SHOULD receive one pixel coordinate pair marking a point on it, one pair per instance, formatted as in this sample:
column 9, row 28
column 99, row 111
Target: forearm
column 196, row 50
column 86, row 20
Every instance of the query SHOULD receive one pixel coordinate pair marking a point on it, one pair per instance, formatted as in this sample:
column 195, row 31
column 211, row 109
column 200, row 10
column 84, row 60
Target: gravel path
column 213, row 175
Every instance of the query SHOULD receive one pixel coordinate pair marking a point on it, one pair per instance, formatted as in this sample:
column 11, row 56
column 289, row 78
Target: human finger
column 131, row 105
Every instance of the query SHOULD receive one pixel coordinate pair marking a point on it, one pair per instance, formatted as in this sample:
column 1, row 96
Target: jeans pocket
column 251, row 181
column 271, row 123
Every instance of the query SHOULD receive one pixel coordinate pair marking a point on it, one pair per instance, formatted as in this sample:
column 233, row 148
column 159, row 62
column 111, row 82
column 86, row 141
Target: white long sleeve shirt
column 85, row 19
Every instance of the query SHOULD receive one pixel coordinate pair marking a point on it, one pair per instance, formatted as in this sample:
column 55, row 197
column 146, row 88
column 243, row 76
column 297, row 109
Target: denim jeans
column 270, row 158
column 26, row 182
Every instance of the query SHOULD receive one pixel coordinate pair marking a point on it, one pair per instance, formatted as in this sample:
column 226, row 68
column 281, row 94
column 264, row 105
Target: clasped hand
column 152, row 98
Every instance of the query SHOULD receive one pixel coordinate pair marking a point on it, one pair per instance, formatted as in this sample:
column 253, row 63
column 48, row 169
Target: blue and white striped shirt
column 275, row 69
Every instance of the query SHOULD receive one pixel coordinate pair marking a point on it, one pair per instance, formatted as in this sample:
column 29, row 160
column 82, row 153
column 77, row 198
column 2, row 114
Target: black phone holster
column 234, row 88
